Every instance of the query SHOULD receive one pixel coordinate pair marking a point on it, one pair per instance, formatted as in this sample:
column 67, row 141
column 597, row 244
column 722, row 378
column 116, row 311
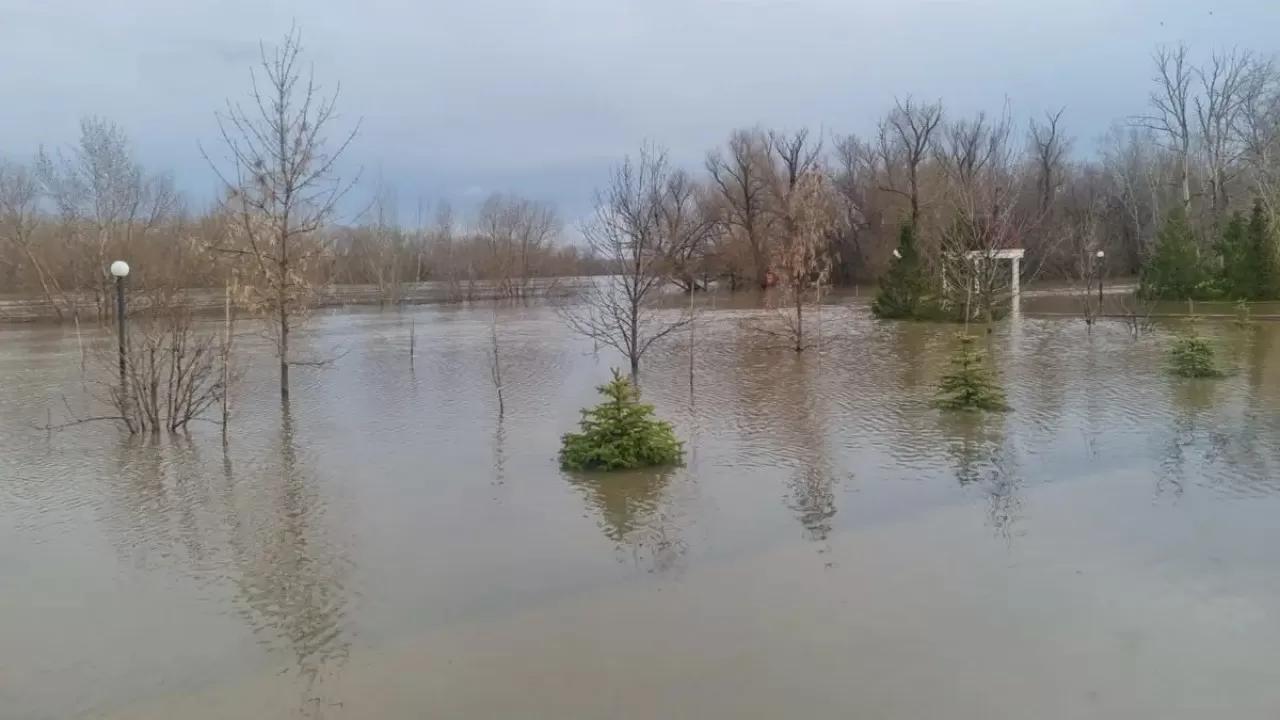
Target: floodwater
column 388, row 548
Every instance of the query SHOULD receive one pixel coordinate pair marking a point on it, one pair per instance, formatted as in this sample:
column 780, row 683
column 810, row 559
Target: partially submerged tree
column 985, row 182
column 1193, row 356
column 281, row 188
column 906, row 287
column 1175, row 271
column 741, row 179
column 176, row 372
column 518, row 235
column 969, row 384
column 805, row 215
column 620, row 434
column 637, row 226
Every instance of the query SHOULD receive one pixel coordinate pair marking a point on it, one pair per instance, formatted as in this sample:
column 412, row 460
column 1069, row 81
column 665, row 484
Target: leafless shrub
column 1135, row 313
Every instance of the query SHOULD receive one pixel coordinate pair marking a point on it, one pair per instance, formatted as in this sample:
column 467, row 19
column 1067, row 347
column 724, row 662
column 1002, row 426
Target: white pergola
column 1013, row 255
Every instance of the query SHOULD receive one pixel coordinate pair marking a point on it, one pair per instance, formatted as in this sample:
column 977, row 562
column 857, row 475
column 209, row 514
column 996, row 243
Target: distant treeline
column 1205, row 143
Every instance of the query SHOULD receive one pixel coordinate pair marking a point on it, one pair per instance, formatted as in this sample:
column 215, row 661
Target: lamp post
column 1100, row 255
column 120, row 269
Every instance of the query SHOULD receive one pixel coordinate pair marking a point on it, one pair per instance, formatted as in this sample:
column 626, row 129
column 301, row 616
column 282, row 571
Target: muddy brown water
column 835, row 548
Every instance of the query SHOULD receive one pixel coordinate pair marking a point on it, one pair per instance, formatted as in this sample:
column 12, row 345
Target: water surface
column 388, row 547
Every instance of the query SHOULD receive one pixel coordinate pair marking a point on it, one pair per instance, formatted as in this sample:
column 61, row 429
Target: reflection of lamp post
column 120, row 269
column 1100, row 256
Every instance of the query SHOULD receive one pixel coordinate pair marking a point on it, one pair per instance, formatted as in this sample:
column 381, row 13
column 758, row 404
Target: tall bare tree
column 806, row 216
column 1171, row 107
column 634, row 234
column 984, row 182
column 690, row 217
column 742, row 181
column 19, row 219
column 105, row 200
column 282, row 185
column 906, row 138
column 1050, row 148
column 518, row 235
column 1224, row 81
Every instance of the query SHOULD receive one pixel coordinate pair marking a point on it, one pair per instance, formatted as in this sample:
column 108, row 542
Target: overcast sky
column 459, row 98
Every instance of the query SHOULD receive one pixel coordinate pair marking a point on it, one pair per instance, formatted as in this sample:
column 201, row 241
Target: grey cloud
column 541, row 96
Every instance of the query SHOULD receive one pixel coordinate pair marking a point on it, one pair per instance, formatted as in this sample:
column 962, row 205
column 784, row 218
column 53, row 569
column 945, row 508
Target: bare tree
column 983, row 191
column 689, row 212
column 386, row 245
column 1224, row 81
column 1050, row 149
column 633, row 235
column 1259, row 133
column 518, row 235
column 806, row 216
column 1084, row 240
column 442, row 250
column 281, row 187
column 906, row 137
column 19, row 220
column 106, row 203
column 856, row 180
column 742, row 181
column 174, row 372
column 1171, row 110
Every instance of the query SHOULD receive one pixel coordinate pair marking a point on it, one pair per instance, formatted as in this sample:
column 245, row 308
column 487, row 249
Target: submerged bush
column 1192, row 356
column 620, row 434
column 970, row 384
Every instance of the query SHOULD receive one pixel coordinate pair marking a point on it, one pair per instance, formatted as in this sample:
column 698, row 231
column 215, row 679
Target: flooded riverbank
column 388, row 548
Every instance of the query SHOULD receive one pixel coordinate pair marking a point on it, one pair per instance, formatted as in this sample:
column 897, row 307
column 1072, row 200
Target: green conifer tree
column 969, row 384
column 1192, row 355
column 620, row 434
column 1239, row 278
column 1261, row 241
column 1175, row 271
column 904, row 288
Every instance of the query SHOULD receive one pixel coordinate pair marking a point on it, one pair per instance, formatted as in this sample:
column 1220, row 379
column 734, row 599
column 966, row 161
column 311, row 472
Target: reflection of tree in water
column 911, row 345
column 258, row 530
column 813, row 499
column 290, row 577
column 781, row 405
column 977, row 448
column 1208, row 442
column 632, row 513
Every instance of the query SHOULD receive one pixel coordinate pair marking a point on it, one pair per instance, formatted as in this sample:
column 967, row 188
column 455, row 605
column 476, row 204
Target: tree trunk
column 799, row 322
column 284, row 352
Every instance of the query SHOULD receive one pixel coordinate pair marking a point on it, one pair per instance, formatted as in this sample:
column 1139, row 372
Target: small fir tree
column 1193, row 356
column 620, row 434
column 903, row 289
column 1174, row 271
column 970, row 384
